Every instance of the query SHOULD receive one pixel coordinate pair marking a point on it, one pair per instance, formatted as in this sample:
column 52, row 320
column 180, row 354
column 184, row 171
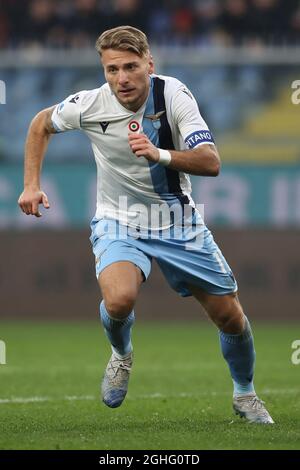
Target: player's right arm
column 60, row 118
column 39, row 133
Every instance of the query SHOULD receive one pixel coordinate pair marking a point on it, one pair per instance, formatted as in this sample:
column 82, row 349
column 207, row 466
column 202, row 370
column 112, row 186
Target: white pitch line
column 84, row 397
column 4, row 401
column 23, row 400
column 265, row 391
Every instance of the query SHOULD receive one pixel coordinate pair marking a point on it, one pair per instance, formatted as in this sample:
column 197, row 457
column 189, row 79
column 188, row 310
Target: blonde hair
column 123, row 38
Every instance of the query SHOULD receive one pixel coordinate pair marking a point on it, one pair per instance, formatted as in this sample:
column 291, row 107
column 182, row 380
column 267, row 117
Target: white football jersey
column 126, row 184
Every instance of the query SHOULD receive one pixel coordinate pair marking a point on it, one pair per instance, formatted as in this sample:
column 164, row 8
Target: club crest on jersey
column 133, row 126
column 155, row 118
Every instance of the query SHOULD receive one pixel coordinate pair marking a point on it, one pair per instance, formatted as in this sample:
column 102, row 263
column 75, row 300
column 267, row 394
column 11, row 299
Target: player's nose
column 122, row 78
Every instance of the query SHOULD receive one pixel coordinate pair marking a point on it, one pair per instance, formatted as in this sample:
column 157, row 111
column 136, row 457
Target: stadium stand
column 57, row 24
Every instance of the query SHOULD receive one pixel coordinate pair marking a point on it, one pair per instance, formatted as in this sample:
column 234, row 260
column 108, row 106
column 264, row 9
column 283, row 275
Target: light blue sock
column 239, row 352
column 117, row 331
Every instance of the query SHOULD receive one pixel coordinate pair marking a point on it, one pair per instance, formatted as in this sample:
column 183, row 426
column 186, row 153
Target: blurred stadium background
column 240, row 59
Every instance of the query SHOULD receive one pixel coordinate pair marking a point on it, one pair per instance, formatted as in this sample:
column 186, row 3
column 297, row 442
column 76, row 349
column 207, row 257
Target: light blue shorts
column 198, row 262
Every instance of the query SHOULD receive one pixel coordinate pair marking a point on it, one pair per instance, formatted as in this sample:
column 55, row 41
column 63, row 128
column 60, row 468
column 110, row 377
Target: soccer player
column 147, row 136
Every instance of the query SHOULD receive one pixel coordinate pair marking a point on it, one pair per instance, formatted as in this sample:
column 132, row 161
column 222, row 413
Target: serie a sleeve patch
column 198, row 137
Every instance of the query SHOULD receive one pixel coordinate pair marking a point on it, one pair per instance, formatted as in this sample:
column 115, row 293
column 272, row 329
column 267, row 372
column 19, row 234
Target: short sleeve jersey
column 170, row 118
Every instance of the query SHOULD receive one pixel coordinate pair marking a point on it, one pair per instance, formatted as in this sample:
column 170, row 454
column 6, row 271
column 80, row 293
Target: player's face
column 128, row 76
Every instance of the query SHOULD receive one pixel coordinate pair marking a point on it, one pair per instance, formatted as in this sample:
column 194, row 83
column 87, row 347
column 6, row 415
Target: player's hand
column 143, row 147
column 30, row 200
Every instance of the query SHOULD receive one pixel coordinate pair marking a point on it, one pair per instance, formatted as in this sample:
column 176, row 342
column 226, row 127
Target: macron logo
column 104, row 125
column 74, row 99
column 198, row 137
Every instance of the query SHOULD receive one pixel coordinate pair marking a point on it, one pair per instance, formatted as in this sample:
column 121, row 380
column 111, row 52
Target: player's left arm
column 201, row 158
column 204, row 160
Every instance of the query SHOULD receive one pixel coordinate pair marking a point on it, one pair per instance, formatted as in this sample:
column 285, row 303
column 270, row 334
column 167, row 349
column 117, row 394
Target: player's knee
column 230, row 318
column 231, row 322
column 121, row 305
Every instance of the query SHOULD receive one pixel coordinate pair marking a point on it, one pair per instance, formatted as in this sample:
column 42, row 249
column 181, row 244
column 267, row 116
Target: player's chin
column 127, row 99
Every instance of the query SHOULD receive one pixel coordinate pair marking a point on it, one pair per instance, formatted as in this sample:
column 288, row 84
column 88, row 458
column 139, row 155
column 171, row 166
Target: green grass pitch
column 179, row 395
